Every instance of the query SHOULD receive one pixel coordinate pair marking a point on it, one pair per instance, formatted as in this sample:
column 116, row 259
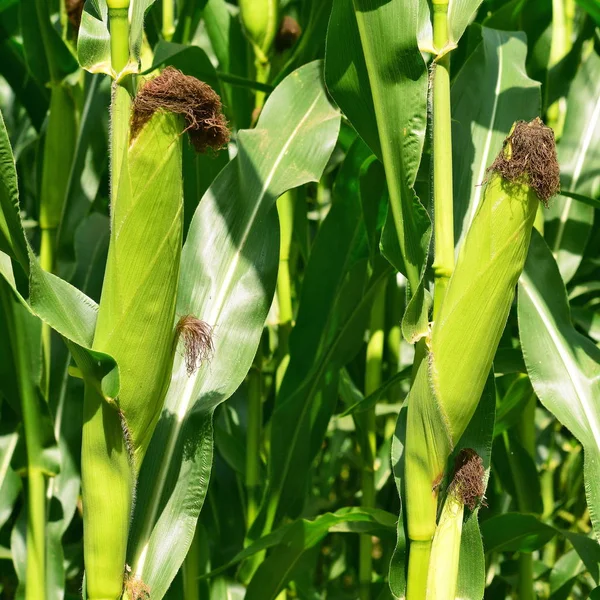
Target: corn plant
column 299, row 299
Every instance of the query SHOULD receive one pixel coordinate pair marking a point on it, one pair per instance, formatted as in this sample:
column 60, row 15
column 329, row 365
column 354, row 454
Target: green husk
column 136, row 318
column 467, row 329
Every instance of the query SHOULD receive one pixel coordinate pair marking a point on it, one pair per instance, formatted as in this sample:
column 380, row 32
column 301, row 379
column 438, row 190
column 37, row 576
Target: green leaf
column 593, row 202
column 12, row 239
column 569, row 223
column 515, row 532
column 232, row 291
column 303, row 534
column 371, row 401
column 10, row 482
column 489, row 94
column 89, row 163
column 563, row 365
column 48, row 57
column 335, row 304
column 592, row 8
column 30, row 93
column 273, row 573
column 231, row 50
column 93, row 40
column 460, row 14
column 376, row 74
column 65, row 308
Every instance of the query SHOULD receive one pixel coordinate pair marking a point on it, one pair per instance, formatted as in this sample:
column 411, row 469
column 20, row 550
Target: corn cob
column 466, row 332
column 136, row 318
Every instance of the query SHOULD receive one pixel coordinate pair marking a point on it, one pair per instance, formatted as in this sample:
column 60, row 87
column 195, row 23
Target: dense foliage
column 291, row 304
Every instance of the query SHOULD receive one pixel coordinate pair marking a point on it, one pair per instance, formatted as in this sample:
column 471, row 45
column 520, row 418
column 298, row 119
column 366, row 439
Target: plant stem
column 442, row 160
column 418, row 566
column 253, row 438
column 105, row 460
column 373, row 378
column 562, row 28
column 420, row 550
column 526, row 434
column 121, row 100
column 191, row 568
column 35, row 575
column 285, row 209
column 168, row 19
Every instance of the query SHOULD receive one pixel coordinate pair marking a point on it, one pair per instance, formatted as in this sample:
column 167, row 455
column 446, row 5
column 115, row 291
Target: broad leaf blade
column 563, row 365
column 489, row 94
column 568, row 222
column 228, row 273
column 377, row 75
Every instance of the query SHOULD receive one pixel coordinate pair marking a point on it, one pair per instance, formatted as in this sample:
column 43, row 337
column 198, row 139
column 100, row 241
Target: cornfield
column 299, row 299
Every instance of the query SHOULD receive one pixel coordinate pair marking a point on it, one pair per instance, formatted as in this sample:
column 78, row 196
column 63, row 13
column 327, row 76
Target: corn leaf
column 231, row 290
column 489, row 94
column 515, row 532
column 568, row 222
column 382, row 91
column 339, row 249
column 12, row 239
column 563, row 365
column 64, row 307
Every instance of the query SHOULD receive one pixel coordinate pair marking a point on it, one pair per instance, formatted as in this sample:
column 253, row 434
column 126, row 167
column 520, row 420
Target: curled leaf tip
column 468, row 483
column 196, row 101
column 530, row 149
column 197, row 341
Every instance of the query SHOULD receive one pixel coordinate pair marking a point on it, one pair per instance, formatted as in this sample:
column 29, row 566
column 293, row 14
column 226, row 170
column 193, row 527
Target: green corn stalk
column 260, row 19
column 466, row 332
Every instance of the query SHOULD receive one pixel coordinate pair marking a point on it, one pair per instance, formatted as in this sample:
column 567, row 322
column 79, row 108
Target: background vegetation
column 274, row 470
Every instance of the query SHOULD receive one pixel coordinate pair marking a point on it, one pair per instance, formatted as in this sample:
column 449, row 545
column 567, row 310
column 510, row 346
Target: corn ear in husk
column 136, row 319
column 464, row 338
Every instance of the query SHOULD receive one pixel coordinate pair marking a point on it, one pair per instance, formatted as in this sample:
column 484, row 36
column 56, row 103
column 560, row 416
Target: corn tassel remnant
column 288, row 34
column 196, row 101
column 135, row 589
column 197, row 342
column 468, row 483
column 532, row 152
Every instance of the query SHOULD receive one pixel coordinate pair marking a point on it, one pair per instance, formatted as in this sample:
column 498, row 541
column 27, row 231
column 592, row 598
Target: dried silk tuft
column 530, row 149
column 196, row 101
column 197, row 341
column 468, row 483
